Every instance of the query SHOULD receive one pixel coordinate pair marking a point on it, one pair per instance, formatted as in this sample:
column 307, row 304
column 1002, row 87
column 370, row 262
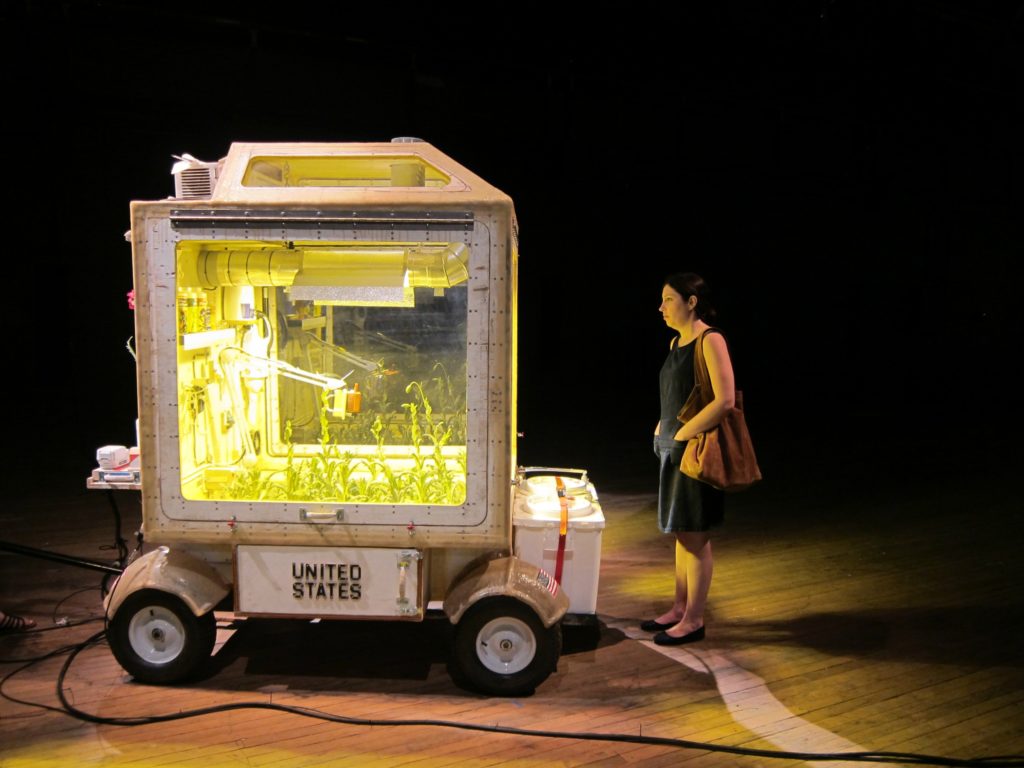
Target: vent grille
column 195, row 184
column 194, row 179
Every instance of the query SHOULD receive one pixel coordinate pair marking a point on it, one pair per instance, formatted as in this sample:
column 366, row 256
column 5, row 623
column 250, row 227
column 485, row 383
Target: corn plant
column 332, row 475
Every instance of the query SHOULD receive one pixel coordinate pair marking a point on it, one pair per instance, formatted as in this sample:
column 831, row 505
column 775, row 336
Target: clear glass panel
column 323, row 372
column 343, row 171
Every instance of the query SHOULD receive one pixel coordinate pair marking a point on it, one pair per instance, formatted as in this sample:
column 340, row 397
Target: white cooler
column 536, row 521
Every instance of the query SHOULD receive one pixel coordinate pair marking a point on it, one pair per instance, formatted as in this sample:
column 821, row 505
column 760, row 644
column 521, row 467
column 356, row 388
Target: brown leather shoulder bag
column 723, row 456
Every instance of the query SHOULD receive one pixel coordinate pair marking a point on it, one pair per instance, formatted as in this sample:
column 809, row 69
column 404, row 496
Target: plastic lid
column 545, row 484
column 548, row 507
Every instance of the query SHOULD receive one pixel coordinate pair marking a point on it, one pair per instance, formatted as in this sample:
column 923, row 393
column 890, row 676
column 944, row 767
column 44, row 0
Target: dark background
column 846, row 176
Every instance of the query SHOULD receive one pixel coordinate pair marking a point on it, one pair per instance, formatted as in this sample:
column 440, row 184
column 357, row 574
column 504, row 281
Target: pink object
column 131, row 299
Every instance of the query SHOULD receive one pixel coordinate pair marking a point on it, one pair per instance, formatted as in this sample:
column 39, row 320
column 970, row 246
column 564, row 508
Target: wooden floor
column 844, row 616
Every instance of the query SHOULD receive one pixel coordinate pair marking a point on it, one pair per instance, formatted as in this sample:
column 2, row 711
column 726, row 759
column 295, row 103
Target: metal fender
column 173, row 571
column 510, row 577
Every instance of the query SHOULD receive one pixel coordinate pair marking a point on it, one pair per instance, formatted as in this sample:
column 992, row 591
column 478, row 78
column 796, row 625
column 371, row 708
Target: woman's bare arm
column 716, row 355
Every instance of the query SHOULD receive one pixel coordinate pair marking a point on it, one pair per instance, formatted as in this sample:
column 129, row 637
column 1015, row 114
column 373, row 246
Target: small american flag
column 545, row 580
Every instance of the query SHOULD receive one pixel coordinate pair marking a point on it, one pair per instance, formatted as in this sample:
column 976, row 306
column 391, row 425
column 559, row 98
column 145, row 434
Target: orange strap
column 563, row 527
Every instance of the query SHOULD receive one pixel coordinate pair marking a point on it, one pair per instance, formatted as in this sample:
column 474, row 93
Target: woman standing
column 687, row 508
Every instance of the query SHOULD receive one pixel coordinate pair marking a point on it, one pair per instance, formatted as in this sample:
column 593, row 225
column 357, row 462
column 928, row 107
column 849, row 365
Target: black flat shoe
column 663, row 638
column 653, row 625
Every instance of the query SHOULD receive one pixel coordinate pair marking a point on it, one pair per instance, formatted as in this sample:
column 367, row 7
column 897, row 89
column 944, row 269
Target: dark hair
column 688, row 284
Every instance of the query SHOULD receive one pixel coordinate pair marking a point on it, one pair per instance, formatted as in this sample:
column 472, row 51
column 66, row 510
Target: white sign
column 328, row 581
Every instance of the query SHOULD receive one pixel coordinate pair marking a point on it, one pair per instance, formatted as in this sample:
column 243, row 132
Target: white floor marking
column 749, row 701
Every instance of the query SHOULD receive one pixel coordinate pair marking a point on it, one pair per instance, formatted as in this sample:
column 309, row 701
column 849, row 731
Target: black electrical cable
column 56, row 608
column 24, row 702
column 120, row 545
column 57, row 625
column 1004, row 761
column 48, row 654
column 31, row 661
column 999, row 761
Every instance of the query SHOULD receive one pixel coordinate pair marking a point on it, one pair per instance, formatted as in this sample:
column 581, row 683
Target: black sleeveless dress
column 684, row 504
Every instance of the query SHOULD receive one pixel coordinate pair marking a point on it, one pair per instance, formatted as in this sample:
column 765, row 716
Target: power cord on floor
column 911, row 758
column 58, row 623
column 30, row 661
column 49, row 654
column 72, row 650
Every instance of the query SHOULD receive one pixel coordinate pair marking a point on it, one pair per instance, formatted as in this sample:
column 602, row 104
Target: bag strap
column 703, row 392
column 701, row 376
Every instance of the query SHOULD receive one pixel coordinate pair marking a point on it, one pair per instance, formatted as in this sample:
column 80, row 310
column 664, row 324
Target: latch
column 406, row 558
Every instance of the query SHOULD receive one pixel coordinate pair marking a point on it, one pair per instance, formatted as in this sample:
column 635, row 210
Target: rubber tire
column 197, row 635
column 469, row 669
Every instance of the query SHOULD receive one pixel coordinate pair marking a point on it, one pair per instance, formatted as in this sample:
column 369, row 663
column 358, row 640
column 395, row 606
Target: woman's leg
column 695, row 548
column 675, row 613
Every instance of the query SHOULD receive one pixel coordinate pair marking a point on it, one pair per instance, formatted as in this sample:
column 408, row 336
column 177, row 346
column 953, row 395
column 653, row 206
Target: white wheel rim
column 506, row 645
column 156, row 635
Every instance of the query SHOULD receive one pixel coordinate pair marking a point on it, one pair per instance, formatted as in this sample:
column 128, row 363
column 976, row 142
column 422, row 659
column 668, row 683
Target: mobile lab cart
column 326, row 378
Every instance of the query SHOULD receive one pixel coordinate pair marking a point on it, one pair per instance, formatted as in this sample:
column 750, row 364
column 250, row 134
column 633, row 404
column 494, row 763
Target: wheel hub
column 156, row 635
column 506, row 645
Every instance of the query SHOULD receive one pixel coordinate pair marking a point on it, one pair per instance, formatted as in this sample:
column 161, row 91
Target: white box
column 536, row 541
column 112, row 456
